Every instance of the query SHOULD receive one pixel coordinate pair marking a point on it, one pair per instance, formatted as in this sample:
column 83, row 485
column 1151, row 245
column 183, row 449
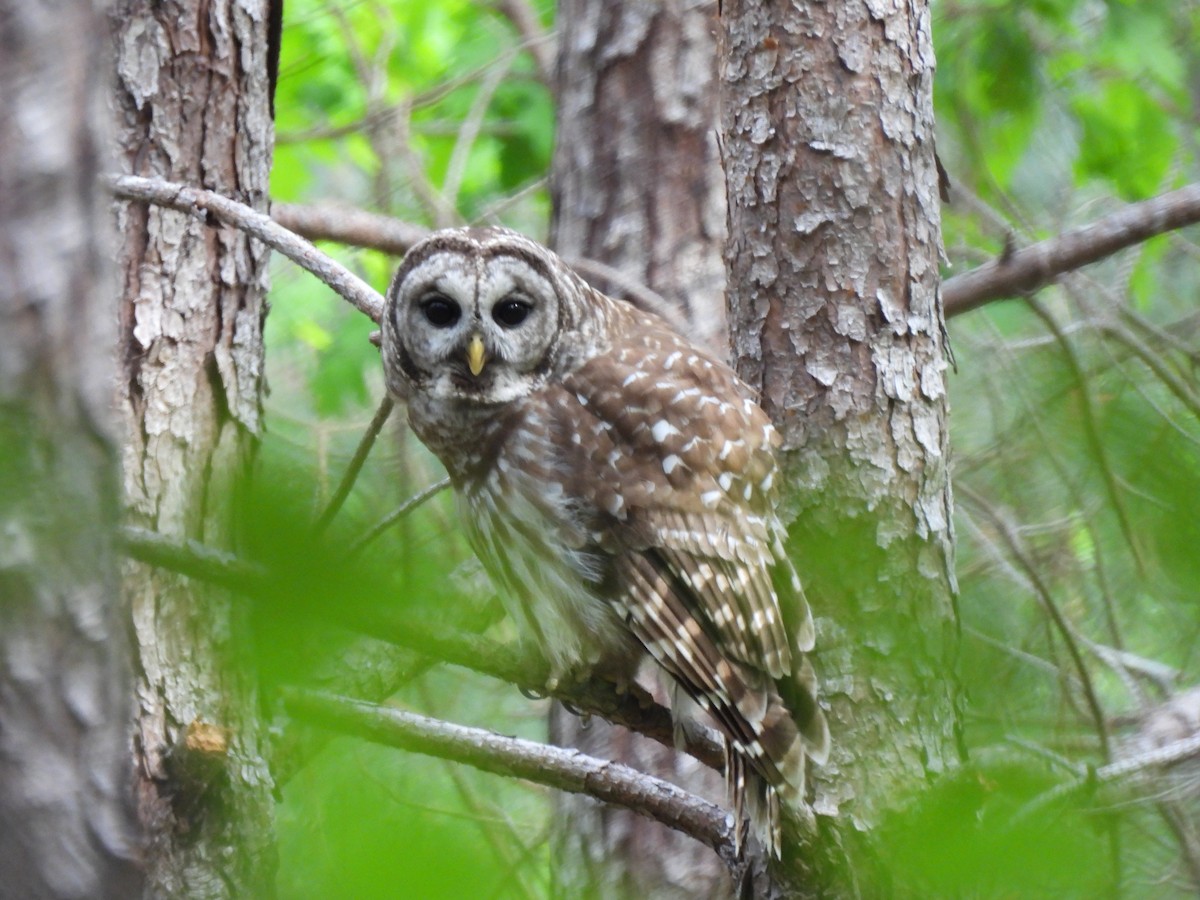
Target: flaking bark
column 835, row 317
column 192, row 106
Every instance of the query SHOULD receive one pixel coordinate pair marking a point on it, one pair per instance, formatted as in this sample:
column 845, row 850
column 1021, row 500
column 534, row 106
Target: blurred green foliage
column 1050, row 114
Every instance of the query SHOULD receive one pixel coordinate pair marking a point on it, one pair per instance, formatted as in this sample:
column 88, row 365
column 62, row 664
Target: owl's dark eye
column 441, row 312
column 511, row 313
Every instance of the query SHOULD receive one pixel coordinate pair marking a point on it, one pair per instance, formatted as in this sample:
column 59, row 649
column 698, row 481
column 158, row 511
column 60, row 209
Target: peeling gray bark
column 192, row 107
column 835, row 317
column 67, row 828
column 637, row 185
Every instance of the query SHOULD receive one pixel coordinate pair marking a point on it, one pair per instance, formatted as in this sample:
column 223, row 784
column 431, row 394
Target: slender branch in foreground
column 1159, row 758
column 211, row 207
column 356, row 463
column 397, row 514
column 566, row 770
column 1035, row 266
column 632, row 708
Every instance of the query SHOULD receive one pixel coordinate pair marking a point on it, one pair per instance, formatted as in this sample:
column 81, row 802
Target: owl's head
column 483, row 315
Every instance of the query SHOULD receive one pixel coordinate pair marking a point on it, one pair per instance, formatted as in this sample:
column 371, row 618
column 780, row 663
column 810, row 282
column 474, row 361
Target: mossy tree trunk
column 835, row 317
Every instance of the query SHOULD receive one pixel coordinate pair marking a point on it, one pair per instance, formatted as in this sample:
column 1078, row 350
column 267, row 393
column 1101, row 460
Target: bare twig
column 1154, row 362
column 1017, row 549
column 399, row 513
column 1035, row 266
column 1091, row 431
column 471, row 125
column 566, row 770
column 212, row 207
column 436, row 206
column 534, row 38
column 356, row 464
column 382, row 117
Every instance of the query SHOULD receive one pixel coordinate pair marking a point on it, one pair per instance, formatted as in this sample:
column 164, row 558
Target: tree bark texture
column 192, row 106
column 637, row 184
column 834, row 316
column 636, row 177
column 66, row 813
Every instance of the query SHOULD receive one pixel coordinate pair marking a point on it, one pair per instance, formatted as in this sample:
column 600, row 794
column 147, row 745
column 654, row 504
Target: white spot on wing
column 662, row 428
column 670, row 463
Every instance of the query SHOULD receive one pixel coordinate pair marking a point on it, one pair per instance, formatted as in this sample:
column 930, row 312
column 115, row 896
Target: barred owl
column 619, row 485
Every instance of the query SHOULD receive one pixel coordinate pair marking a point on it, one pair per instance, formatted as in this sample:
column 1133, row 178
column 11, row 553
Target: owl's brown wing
column 677, row 461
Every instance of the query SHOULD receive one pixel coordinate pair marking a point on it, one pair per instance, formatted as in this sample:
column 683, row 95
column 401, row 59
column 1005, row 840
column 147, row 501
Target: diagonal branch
column 214, row 208
column 1033, row 267
column 1016, row 548
column 534, row 38
column 566, row 770
column 356, row 463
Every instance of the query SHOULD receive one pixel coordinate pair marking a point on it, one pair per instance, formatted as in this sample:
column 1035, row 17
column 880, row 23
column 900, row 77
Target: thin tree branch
column 534, row 38
column 399, row 513
column 212, row 207
column 1035, row 266
column 566, row 770
column 468, row 134
column 1017, row 549
column 435, row 204
column 379, row 117
column 1090, row 429
column 1155, row 363
column 356, row 464
column 348, row 225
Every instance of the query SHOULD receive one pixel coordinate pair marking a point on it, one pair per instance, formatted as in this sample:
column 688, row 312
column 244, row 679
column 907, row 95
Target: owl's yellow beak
column 475, row 355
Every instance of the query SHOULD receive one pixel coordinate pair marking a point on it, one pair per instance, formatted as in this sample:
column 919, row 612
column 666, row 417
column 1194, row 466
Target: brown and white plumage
column 619, row 484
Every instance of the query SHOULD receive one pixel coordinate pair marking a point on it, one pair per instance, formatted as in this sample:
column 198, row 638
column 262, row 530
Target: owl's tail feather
column 770, row 727
column 767, row 771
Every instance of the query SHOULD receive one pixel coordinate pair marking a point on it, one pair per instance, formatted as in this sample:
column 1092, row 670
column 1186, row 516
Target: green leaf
column 1127, row 139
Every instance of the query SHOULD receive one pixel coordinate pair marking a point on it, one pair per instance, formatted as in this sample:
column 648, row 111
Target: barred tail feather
column 770, row 727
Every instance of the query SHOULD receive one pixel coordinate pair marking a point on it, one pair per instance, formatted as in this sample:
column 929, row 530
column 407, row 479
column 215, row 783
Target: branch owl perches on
column 619, row 485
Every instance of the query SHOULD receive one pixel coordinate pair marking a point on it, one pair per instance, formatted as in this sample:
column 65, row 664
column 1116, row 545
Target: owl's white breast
column 551, row 590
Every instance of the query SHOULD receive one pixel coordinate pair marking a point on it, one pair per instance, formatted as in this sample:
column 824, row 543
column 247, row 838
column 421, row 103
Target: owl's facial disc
column 480, row 327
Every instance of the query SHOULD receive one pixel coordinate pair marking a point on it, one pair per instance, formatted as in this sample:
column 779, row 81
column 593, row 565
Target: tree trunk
column 192, row 106
column 637, row 184
column 835, row 317
column 66, row 812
